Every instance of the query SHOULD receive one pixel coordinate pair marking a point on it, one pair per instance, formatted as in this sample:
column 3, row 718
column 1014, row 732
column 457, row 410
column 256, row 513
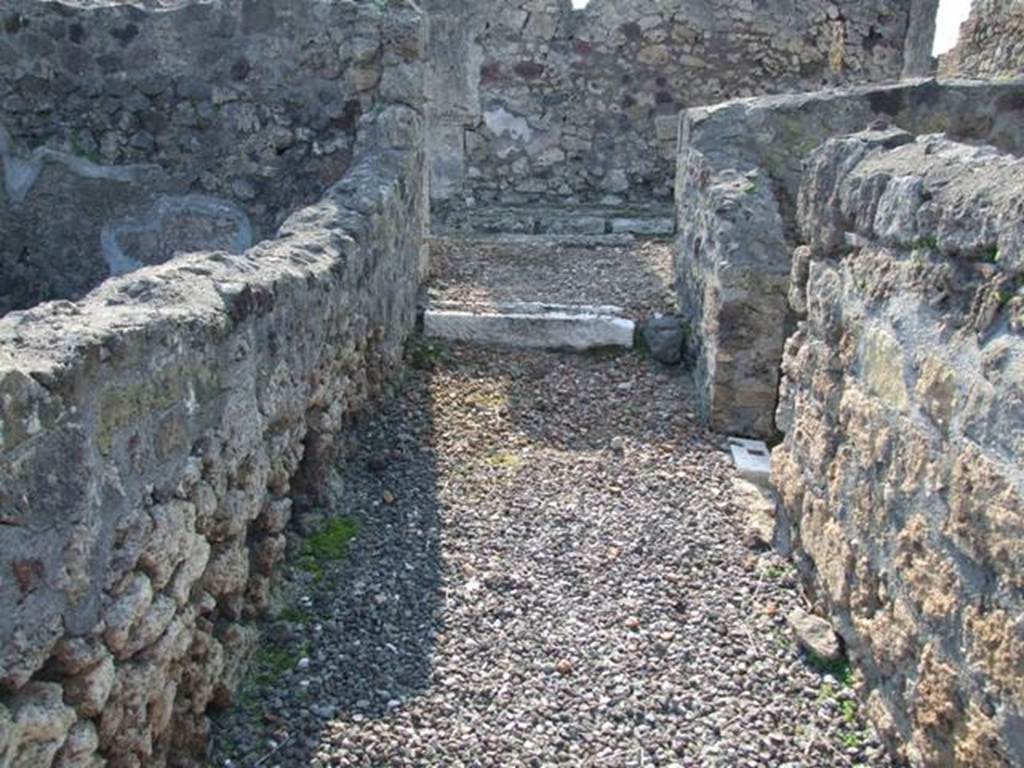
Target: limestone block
column 127, row 611
column 80, row 747
column 815, row 634
column 652, row 227
column 228, row 569
column 883, row 368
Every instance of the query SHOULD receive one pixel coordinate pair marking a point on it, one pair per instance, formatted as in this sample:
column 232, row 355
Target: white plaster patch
column 501, row 122
column 22, row 169
column 153, row 222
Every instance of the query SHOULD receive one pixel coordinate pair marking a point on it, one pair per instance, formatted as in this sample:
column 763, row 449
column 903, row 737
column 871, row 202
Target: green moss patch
column 329, row 545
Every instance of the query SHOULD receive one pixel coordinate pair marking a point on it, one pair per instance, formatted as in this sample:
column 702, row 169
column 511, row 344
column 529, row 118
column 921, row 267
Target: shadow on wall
column 377, row 613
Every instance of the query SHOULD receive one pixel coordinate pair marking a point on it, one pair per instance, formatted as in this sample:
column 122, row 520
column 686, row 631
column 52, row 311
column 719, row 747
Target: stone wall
column 740, row 166
column 902, row 469
column 154, row 435
column 128, row 134
column 532, row 101
column 991, row 41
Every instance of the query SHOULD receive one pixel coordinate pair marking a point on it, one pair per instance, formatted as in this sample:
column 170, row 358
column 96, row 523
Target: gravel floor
column 637, row 277
column 548, row 571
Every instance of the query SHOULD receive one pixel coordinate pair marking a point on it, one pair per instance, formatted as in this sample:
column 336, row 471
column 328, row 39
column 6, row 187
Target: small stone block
column 752, row 459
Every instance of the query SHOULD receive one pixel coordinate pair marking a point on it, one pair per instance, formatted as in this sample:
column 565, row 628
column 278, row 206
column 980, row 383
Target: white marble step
column 533, row 325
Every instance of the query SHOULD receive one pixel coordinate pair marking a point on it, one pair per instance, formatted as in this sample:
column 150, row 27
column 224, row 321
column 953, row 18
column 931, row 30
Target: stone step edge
column 524, row 308
column 536, row 241
column 556, row 329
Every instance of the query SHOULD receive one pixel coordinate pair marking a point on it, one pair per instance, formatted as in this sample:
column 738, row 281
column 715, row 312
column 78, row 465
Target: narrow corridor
column 548, row 570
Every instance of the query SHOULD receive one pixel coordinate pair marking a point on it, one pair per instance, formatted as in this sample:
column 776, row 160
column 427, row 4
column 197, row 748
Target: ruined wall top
column 991, row 41
column 534, row 101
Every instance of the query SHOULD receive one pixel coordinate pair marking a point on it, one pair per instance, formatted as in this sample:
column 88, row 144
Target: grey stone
column 815, row 634
column 664, row 337
column 41, row 722
column 756, row 505
column 575, row 225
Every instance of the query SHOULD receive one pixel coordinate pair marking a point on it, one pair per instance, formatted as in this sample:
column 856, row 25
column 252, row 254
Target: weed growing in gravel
column 849, row 708
column 425, row 355
column 294, row 615
column 839, row 669
column 783, row 640
column 852, row 735
column 328, row 546
column 774, row 572
column 268, row 667
column 990, row 255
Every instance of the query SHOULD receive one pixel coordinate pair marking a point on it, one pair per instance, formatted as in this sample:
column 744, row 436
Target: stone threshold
column 531, row 325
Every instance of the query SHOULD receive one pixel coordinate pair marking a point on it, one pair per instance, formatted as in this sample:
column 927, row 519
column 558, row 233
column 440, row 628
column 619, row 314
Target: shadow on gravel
column 359, row 637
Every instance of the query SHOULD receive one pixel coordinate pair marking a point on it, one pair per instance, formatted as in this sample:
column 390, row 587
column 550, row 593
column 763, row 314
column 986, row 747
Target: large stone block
column 904, row 501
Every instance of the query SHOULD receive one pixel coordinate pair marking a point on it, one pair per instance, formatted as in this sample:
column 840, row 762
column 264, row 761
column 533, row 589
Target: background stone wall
column 902, row 469
column 991, row 42
column 740, row 166
column 154, row 435
column 534, row 101
column 127, row 134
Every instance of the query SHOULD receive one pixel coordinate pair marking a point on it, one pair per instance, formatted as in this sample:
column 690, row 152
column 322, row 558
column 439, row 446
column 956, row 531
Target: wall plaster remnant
column 175, row 224
column 22, row 168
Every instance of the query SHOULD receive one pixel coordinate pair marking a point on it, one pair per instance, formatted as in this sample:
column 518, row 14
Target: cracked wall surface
column 903, row 412
column 532, row 101
column 155, row 434
column 109, row 111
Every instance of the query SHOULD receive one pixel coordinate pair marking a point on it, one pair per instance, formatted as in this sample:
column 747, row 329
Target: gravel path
column 636, row 277
column 548, row 571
